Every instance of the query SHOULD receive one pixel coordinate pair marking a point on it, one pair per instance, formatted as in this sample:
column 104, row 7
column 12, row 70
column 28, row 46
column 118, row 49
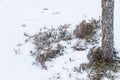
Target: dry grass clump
column 87, row 30
column 47, row 44
column 104, row 69
column 98, row 67
column 49, row 54
column 95, row 55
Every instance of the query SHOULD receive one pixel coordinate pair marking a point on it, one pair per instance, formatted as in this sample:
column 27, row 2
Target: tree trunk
column 107, row 28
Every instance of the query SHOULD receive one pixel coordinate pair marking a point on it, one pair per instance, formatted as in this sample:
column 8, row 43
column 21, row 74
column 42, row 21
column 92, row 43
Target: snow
column 32, row 13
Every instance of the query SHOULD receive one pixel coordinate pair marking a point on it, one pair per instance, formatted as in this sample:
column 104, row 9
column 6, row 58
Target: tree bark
column 107, row 28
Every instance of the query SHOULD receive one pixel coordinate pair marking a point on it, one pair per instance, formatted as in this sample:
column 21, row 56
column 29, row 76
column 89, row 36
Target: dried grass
column 87, row 30
column 47, row 44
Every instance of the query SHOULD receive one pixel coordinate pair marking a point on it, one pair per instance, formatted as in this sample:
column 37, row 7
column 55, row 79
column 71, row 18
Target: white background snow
column 15, row 13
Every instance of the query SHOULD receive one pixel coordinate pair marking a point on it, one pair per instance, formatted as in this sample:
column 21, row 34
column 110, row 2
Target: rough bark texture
column 107, row 28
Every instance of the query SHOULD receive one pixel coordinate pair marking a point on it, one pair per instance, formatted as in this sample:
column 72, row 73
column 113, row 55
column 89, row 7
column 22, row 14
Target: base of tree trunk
column 100, row 65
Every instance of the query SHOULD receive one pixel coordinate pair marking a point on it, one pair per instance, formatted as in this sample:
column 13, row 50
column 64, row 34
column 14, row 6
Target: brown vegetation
column 87, row 30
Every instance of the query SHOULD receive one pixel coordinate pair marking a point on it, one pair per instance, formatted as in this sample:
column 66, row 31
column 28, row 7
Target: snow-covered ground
column 35, row 14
